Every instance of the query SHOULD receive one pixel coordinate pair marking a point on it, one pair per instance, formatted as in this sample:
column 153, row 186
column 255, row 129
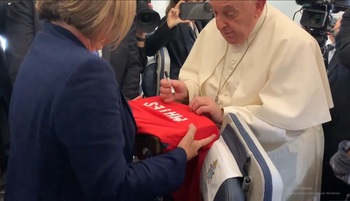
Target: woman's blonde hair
column 97, row 19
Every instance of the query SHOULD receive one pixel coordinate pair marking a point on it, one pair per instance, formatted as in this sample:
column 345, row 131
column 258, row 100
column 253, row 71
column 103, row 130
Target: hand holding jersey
column 190, row 145
column 162, row 127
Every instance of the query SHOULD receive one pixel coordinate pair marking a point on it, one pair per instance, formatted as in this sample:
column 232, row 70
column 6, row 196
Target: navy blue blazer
column 72, row 131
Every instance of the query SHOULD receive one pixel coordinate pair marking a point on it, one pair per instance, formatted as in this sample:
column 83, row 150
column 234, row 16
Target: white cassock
column 278, row 84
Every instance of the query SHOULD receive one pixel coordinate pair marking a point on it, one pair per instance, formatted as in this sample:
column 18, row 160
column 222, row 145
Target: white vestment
column 280, row 87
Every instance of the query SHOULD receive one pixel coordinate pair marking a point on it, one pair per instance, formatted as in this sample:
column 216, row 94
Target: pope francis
column 253, row 60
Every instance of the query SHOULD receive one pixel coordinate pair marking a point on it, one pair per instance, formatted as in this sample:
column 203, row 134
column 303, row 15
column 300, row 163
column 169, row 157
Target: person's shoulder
column 286, row 29
column 88, row 63
column 210, row 37
column 281, row 22
column 210, row 28
column 69, row 55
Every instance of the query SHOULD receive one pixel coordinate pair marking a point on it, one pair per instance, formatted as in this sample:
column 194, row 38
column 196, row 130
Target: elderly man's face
column 236, row 19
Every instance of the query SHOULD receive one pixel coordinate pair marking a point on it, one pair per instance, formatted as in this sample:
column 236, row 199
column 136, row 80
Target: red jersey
column 169, row 122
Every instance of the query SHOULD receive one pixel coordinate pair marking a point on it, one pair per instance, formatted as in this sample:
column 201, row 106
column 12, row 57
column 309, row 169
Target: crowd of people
column 72, row 133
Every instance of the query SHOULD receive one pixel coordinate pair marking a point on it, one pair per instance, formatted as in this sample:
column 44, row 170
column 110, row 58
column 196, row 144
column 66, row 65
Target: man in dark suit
column 343, row 40
column 338, row 129
column 23, row 23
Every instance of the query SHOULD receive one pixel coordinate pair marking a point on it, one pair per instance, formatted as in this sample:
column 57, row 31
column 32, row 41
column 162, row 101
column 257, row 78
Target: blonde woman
column 72, row 132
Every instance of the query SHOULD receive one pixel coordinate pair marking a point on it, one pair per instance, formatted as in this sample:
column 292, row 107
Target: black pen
column 171, row 86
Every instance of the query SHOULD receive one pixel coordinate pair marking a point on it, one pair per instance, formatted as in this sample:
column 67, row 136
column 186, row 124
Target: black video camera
column 147, row 20
column 317, row 18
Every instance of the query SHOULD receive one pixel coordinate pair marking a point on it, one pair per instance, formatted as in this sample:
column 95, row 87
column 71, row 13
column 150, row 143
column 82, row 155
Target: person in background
column 128, row 63
column 254, row 61
column 338, row 129
column 141, row 33
column 330, row 48
column 72, row 131
column 176, row 35
column 23, row 24
column 343, row 40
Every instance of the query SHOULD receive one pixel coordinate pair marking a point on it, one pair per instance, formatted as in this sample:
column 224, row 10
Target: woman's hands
column 192, row 146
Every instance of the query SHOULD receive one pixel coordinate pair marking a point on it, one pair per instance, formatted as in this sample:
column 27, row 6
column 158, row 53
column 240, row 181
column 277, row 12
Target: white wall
column 160, row 6
column 288, row 7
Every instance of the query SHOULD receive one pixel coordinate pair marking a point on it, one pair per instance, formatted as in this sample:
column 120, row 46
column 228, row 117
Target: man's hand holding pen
column 172, row 90
column 171, row 86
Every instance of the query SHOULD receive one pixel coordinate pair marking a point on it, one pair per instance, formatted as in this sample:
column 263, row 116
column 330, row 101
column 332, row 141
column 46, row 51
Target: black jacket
column 5, row 94
column 126, row 62
column 177, row 40
column 343, row 40
column 338, row 129
column 2, row 16
column 23, row 23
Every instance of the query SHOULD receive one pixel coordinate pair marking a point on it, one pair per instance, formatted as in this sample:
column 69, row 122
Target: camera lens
column 146, row 19
column 315, row 19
